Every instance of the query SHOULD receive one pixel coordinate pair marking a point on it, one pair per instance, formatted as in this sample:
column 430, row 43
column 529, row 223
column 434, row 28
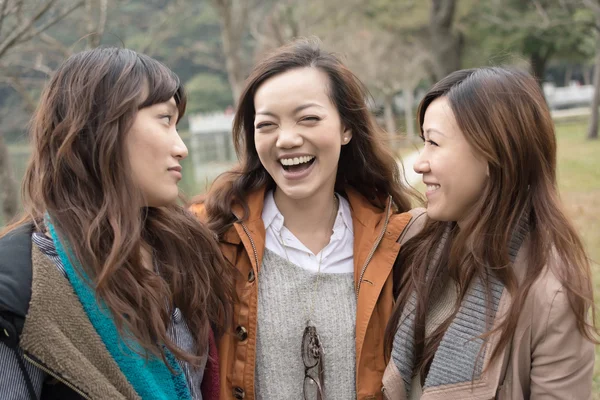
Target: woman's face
column 155, row 149
column 298, row 133
column 455, row 176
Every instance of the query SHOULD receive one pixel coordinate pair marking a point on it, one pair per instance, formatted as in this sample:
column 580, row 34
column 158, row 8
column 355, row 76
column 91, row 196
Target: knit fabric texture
column 284, row 297
column 459, row 357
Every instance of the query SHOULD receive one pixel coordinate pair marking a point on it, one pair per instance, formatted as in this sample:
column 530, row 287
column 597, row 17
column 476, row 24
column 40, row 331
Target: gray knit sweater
column 285, row 292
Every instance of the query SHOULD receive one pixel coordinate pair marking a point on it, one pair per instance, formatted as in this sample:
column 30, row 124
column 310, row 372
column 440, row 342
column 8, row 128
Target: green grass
column 579, row 184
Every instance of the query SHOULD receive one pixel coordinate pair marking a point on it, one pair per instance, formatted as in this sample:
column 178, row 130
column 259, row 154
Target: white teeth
column 296, row 160
column 432, row 188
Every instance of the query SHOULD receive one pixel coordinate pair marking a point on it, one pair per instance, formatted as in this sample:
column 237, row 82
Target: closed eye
column 263, row 125
column 425, row 141
column 311, row 118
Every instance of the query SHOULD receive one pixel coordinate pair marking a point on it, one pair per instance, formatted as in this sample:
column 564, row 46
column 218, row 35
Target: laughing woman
column 311, row 221
column 108, row 288
column 496, row 290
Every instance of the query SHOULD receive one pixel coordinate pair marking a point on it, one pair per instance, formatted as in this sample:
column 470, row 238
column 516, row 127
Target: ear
column 346, row 137
column 487, row 170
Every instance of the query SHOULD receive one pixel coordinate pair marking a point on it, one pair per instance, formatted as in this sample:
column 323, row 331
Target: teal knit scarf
column 150, row 377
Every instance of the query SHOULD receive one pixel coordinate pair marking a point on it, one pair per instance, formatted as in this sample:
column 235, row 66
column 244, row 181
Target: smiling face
column 154, row 150
column 298, row 133
column 454, row 175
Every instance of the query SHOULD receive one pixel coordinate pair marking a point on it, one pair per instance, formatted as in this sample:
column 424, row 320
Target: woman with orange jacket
column 311, row 220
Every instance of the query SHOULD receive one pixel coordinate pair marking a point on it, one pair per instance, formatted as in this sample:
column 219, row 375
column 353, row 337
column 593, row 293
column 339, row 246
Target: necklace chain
column 312, row 299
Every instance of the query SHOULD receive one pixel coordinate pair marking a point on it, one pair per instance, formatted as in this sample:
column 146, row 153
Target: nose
column 289, row 138
column 180, row 150
column 421, row 164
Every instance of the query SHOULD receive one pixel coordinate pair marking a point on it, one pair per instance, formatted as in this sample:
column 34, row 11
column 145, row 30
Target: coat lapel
column 58, row 334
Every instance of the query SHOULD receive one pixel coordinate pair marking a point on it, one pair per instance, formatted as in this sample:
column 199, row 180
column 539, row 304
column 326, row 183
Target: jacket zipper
column 55, row 376
column 377, row 242
column 251, row 243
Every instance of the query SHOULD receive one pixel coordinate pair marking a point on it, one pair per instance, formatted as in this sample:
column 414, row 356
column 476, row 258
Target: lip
column 176, row 171
column 294, row 176
column 430, row 193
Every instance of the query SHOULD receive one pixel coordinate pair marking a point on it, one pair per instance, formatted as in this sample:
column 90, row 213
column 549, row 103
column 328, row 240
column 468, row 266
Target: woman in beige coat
column 494, row 287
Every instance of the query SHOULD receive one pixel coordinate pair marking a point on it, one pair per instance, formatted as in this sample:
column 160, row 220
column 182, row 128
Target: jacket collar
column 366, row 218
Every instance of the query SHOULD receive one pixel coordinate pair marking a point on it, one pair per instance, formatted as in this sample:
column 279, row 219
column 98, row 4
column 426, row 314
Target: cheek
column 262, row 147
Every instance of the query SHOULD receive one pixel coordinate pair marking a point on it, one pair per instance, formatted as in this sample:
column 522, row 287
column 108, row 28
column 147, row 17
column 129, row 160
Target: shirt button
column 241, row 333
column 251, row 276
column 238, row 392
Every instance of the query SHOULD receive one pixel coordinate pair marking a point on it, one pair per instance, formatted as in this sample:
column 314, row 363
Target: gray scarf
column 459, row 357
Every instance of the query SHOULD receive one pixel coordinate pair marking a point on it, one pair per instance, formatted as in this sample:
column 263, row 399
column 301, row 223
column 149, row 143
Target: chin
column 435, row 215
column 295, row 193
column 163, row 201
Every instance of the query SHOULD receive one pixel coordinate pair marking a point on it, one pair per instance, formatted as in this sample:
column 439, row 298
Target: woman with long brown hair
column 310, row 220
column 108, row 288
column 495, row 286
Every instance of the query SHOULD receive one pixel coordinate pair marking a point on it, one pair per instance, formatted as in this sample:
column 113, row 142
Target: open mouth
column 297, row 164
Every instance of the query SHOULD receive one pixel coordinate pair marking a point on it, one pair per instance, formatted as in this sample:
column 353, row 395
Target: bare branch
column 16, row 84
column 542, row 12
column 56, row 19
column 47, row 39
column 3, row 4
column 24, row 27
column 101, row 20
column 95, row 29
column 157, row 33
column 13, row 10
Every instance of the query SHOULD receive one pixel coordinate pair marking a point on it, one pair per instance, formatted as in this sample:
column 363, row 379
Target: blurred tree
column 539, row 30
column 20, row 23
column 434, row 26
column 446, row 42
column 207, row 92
column 388, row 66
column 233, row 18
column 592, row 134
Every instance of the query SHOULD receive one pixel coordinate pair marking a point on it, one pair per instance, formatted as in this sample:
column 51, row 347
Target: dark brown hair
column 79, row 176
column 503, row 114
column 365, row 163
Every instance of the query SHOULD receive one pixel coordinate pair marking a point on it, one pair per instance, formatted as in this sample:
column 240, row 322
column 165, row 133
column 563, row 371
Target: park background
column 398, row 48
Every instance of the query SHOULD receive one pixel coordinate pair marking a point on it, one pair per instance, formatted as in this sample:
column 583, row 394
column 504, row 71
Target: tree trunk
column 409, row 99
column 592, row 133
column 8, row 194
column 233, row 61
column 233, row 18
column 587, row 74
column 388, row 115
column 538, row 65
column 446, row 44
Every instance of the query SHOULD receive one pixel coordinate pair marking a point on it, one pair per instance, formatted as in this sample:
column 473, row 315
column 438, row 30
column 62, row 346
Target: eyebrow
column 432, row 130
column 295, row 111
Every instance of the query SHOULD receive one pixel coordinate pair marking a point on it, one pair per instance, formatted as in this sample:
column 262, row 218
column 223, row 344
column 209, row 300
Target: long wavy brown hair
column 366, row 163
column 503, row 114
column 79, row 176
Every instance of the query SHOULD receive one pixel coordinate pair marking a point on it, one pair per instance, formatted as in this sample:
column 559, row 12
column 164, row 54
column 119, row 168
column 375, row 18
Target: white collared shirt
column 338, row 255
